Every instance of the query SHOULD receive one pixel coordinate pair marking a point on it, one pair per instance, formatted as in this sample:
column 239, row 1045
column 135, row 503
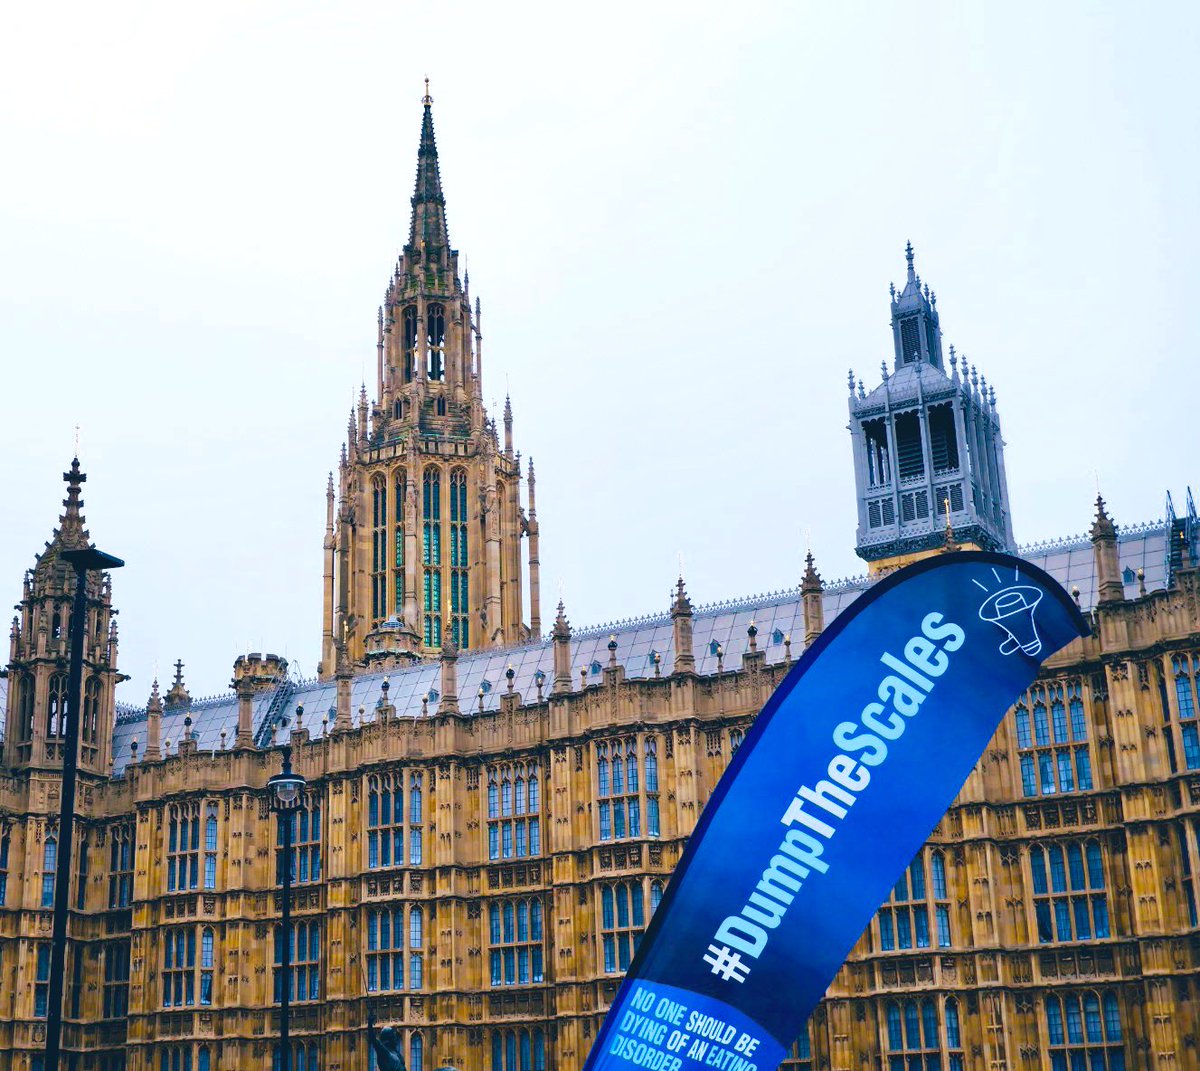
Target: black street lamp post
column 287, row 791
column 88, row 559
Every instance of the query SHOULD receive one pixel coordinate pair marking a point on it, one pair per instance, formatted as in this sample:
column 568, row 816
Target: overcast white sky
column 682, row 220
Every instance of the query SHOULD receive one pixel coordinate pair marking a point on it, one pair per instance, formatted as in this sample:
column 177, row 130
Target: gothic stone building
column 492, row 815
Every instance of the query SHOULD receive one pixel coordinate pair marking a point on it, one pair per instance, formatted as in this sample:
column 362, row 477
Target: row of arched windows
column 1052, row 740
column 388, row 553
column 182, row 980
column 623, row 919
column 23, row 689
column 387, row 930
column 514, row 803
column 435, row 342
column 518, row 1050
column 622, row 791
column 917, row 914
column 386, row 819
column 515, row 935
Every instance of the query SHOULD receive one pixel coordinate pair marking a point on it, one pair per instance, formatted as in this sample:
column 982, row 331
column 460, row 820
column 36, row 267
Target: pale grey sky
column 681, row 219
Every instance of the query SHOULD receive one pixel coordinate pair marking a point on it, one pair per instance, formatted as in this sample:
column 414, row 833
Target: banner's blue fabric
column 848, row 768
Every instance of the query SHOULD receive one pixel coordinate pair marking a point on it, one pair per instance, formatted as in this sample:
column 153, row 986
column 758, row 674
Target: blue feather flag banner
column 848, row 768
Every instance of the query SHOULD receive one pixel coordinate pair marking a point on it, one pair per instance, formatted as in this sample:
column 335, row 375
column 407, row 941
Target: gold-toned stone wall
column 976, row 987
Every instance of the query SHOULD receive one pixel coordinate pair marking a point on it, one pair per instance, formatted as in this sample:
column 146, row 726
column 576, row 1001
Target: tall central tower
column 424, row 524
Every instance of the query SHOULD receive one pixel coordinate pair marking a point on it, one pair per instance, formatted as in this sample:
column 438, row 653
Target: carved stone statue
column 389, row 1049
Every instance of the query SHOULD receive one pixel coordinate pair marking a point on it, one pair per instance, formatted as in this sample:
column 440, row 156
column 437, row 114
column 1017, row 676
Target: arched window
column 409, row 321
column 415, row 837
column 656, row 895
column 431, row 556
column 954, row 1045
column 379, row 549
column 415, row 927
column 56, row 708
column 210, row 846
column 49, row 866
column 207, row 957
column 204, row 1063
column 416, row 1052
column 439, row 406
column 4, row 840
column 1186, row 669
column 400, row 496
column 435, row 316
column 91, row 709
column 460, row 561
column 25, row 690
column 1084, row 1030
column 1069, row 898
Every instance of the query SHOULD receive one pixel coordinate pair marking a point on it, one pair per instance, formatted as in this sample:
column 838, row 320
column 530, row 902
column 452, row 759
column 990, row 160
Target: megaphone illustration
column 1012, row 610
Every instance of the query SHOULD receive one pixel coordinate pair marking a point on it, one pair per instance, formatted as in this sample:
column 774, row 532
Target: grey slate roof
column 777, row 615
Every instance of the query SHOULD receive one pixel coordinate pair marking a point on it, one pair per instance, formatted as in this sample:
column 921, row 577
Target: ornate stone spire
column 681, row 621
column 70, row 533
column 811, row 589
column 178, row 697
column 562, row 652
column 535, row 584
column 154, row 711
column 428, row 231
column 1109, row 587
column 448, row 704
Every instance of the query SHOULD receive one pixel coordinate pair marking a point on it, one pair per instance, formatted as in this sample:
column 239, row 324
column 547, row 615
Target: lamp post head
column 90, row 559
column 287, row 787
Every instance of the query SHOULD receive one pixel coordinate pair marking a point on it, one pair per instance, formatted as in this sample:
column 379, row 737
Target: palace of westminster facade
column 492, row 815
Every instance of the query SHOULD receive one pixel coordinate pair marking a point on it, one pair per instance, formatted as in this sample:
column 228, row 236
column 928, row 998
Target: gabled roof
column 777, row 615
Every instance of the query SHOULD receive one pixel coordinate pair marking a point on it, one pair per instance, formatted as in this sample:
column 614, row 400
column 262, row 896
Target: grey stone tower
column 928, row 455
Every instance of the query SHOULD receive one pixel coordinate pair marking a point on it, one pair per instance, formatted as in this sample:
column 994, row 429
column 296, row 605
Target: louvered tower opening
column 909, row 460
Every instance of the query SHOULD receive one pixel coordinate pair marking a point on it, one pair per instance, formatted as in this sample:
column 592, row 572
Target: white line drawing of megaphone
column 1011, row 609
